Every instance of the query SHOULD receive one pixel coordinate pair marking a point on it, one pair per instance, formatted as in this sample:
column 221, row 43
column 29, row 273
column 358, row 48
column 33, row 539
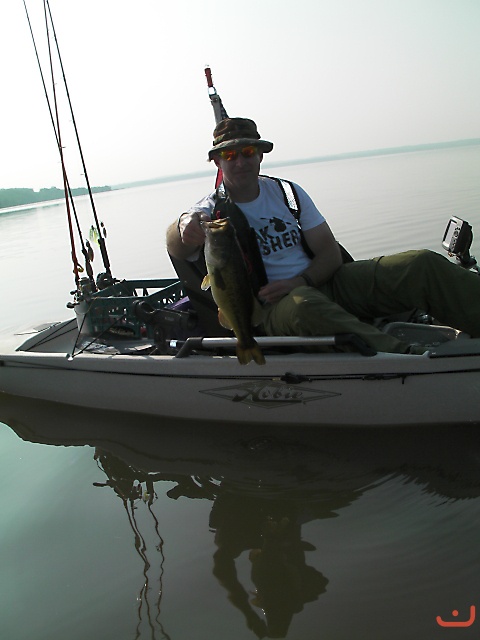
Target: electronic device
column 457, row 240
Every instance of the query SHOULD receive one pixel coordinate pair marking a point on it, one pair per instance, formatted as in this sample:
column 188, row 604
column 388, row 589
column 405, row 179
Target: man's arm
column 327, row 259
column 185, row 235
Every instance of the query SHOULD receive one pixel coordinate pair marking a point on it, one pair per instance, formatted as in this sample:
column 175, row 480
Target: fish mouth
column 214, row 224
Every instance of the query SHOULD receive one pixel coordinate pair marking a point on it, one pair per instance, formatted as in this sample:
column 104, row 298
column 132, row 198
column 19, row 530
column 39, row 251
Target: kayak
column 146, row 353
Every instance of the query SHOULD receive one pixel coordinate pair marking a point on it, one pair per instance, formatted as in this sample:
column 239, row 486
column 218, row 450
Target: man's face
column 240, row 164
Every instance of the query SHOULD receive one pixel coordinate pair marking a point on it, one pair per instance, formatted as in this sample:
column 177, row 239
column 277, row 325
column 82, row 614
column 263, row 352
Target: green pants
column 361, row 291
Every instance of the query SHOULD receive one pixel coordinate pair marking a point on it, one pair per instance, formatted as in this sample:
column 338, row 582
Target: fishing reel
column 165, row 324
column 457, row 240
column 105, row 280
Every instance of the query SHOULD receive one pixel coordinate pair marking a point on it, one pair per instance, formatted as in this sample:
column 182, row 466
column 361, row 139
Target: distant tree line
column 17, row 197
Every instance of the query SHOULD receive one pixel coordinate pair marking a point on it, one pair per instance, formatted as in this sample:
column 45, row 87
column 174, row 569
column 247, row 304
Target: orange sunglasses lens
column 232, row 154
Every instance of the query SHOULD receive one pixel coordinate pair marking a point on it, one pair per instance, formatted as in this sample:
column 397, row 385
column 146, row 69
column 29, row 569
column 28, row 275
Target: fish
column 227, row 277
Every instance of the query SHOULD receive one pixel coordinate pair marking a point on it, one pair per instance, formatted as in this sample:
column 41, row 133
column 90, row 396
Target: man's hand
column 275, row 291
column 190, row 230
column 185, row 235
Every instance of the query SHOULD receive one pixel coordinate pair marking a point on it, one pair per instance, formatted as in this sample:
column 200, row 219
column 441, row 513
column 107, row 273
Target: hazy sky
column 318, row 76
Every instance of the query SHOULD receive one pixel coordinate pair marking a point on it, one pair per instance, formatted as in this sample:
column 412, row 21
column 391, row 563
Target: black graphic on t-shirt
column 278, row 224
column 284, row 236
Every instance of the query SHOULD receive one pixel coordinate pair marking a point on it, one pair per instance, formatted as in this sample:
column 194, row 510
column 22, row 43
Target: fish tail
column 252, row 352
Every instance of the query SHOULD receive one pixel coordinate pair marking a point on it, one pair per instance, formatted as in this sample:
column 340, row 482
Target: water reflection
column 264, row 487
column 271, row 530
column 243, row 519
column 135, row 487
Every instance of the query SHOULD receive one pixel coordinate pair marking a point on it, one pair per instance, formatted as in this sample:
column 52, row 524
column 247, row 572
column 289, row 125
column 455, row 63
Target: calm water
column 118, row 527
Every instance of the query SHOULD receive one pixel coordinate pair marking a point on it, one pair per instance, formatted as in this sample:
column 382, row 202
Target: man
column 306, row 288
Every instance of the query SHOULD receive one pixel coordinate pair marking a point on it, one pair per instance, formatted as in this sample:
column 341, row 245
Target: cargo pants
column 367, row 289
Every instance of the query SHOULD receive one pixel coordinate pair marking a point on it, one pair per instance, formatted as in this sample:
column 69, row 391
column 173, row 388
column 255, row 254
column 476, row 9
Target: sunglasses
column 232, row 154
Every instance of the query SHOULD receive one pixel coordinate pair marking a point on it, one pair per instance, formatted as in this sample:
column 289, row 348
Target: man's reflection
column 271, row 531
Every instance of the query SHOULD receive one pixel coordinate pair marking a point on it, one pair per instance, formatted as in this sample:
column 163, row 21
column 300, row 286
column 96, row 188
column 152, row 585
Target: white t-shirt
column 276, row 229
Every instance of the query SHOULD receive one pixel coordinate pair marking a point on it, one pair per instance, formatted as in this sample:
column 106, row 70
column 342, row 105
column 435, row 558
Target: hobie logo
column 269, row 395
column 458, row 623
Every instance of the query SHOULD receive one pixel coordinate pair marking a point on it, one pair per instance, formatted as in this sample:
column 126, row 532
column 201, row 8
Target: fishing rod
column 219, row 112
column 101, row 239
column 60, row 149
column 85, row 249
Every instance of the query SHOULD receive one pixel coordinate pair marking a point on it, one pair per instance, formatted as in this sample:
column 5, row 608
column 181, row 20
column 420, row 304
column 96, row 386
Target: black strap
column 292, row 202
column 290, row 196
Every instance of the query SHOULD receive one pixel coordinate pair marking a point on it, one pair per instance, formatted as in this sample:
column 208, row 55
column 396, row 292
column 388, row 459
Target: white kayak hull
column 296, row 389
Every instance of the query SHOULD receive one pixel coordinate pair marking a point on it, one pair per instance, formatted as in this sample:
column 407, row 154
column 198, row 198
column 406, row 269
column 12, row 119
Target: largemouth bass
column 227, row 277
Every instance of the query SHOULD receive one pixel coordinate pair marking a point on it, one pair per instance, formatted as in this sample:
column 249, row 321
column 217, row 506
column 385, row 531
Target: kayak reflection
column 264, row 486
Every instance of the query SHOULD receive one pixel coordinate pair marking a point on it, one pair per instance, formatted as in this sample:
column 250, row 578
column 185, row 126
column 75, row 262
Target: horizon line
column 326, row 158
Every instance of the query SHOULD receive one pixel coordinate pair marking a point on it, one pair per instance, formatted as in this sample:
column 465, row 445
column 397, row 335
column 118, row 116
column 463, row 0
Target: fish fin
column 257, row 354
column 205, row 283
column 223, row 320
column 306, row 546
column 257, row 313
column 250, row 353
